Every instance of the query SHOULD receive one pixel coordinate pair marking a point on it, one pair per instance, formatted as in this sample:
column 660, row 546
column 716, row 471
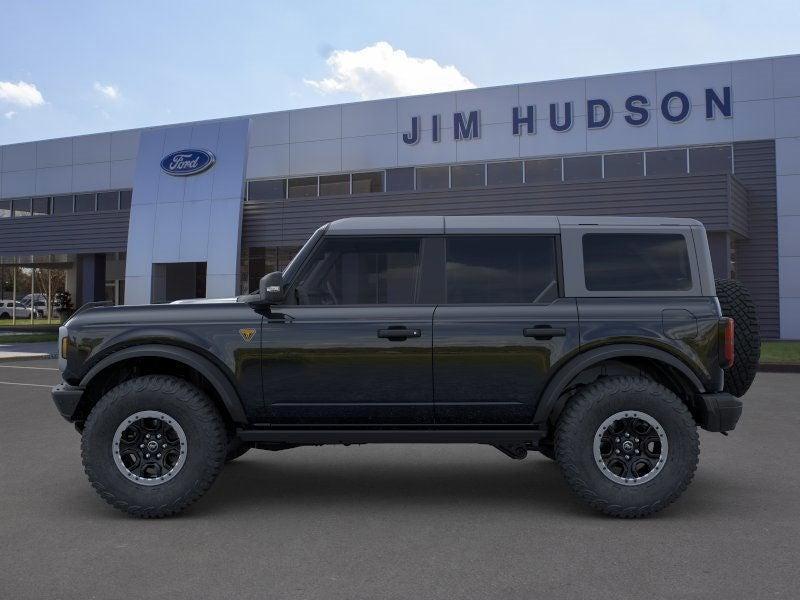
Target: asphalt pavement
column 393, row 521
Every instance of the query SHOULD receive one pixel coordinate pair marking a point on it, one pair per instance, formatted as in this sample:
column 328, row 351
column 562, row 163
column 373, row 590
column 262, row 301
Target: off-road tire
column 205, row 438
column 236, row 448
column 546, row 448
column 736, row 302
column 579, row 423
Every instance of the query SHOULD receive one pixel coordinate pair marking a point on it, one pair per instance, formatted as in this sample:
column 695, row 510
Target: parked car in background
column 39, row 305
column 11, row 308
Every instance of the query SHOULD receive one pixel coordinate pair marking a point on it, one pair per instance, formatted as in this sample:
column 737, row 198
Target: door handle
column 544, row 332
column 398, row 334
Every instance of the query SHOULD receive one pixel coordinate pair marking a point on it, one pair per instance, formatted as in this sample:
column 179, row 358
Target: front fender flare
column 215, row 376
column 549, row 399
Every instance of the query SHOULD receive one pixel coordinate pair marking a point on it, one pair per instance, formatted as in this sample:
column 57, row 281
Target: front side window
column 361, row 271
column 501, row 269
column 636, row 262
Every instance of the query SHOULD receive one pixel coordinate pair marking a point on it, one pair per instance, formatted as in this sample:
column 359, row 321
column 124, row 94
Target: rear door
column 501, row 329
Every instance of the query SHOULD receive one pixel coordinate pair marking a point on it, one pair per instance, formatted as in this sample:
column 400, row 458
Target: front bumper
column 719, row 412
column 66, row 399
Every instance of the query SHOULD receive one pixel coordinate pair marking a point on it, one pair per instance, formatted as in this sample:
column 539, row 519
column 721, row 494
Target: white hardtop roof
column 431, row 225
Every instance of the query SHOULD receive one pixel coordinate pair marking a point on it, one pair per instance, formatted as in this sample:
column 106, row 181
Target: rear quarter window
column 636, row 262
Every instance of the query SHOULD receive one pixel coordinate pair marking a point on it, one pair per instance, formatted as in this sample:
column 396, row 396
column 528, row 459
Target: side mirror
column 270, row 288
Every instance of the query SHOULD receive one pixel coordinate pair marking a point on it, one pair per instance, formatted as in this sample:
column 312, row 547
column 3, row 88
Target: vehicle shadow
column 512, row 484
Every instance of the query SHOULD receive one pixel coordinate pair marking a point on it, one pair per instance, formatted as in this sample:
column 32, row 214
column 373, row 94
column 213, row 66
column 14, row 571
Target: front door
column 352, row 344
column 501, row 330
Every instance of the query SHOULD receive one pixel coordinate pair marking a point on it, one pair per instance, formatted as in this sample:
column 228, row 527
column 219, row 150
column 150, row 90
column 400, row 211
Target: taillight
column 726, row 326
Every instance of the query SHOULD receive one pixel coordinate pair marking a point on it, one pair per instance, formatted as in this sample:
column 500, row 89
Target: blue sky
column 69, row 68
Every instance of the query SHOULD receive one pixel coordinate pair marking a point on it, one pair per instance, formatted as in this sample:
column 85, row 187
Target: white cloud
column 109, row 91
column 380, row 71
column 10, row 114
column 20, row 93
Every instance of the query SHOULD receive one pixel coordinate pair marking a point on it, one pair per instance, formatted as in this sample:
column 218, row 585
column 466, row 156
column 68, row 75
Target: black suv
column 600, row 342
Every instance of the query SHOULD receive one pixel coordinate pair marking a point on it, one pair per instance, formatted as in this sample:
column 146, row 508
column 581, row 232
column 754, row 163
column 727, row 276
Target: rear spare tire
column 736, row 303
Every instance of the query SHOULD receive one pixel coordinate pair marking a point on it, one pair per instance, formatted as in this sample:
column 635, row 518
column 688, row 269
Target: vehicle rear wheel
column 736, row 303
column 5, row 315
column 627, row 446
column 153, row 445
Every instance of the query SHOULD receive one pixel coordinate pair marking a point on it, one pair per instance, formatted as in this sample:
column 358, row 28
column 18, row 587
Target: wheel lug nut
column 617, row 450
column 627, row 435
column 163, row 445
column 158, row 455
column 636, row 451
column 147, row 455
column 616, row 439
column 635, row 439
column 159, row 436
column 147, row 436
column 141, row 445
column 627, row 457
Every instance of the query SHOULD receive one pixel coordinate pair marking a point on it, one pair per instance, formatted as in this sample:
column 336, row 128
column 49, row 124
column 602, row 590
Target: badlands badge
column 247, row 334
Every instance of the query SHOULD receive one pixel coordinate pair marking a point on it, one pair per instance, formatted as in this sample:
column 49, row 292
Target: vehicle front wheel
column 627, row 446
column 153, row 445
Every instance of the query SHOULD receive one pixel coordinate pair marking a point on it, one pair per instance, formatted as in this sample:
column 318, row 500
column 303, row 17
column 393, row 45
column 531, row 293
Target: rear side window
column 361, row 271
column 636, row 262
column 501, row 269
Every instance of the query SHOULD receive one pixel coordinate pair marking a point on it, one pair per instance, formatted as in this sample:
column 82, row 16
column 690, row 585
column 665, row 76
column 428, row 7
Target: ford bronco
column 601, row 342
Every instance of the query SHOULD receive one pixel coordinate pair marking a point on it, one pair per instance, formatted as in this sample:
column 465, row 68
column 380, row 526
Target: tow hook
column 515, row 451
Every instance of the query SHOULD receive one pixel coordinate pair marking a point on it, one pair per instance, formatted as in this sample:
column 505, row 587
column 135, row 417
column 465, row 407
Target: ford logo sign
column 187, row 162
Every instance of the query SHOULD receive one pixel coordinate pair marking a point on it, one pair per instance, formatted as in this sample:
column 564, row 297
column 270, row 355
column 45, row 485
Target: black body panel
column 490, row 364
column 341, row 364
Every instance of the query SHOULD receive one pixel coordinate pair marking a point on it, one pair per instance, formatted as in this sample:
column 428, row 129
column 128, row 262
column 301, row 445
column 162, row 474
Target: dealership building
column 205, row 209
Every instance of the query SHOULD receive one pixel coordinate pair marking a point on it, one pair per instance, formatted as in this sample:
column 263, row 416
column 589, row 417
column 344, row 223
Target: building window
column 270, row 189
column 629, row 164
column 107, row 201
column 504, row 173
column 5, row 209
column 303, row 187
column 400, row 180
column 125, row 199
column 662, row 163
column 581, row 168
column 41, row 206
column 62, row 205
column 711, row 159
column 22, row 207
column 367, row 183
column 334, row 185
column 463, row 176
column 547, row 170
column 433, row 178
column 84, row 203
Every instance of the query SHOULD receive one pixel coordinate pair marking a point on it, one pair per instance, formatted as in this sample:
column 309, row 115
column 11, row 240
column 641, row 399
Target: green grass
column 24, row 338
column 6, row 323
column 780, row 352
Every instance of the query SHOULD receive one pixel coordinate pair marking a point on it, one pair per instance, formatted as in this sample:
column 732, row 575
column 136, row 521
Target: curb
column 42, row 356
column 779, row 368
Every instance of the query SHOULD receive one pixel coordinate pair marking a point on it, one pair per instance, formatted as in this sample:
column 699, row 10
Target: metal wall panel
column 65, row 234
column 757, row 256
column 704, row 197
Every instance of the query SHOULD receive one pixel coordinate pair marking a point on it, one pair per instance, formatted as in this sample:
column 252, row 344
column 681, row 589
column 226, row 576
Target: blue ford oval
column 187, row 162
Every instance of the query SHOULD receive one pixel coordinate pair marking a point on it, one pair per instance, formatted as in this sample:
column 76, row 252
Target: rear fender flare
column 215, row 376
column 550, row 397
